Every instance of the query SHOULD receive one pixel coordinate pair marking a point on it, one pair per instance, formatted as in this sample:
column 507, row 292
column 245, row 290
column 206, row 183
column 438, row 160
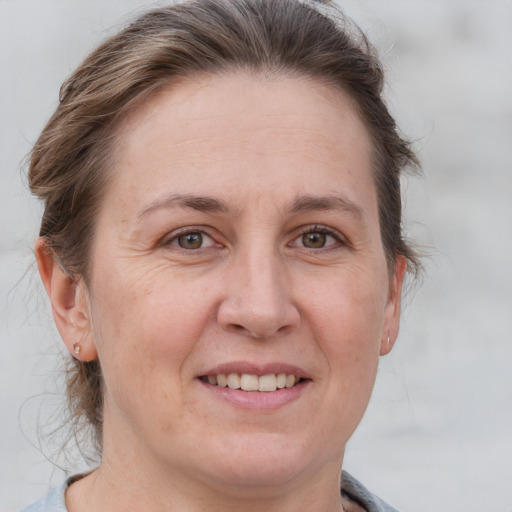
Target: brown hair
column 70, row 162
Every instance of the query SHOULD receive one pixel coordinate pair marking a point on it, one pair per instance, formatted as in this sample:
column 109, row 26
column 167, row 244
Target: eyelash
column 339, row 240
column 173, row 240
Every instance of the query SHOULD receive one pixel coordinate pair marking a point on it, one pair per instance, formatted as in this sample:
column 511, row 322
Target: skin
column 158, row 316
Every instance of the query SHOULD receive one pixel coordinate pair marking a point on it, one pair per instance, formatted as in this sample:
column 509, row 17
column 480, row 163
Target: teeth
column 290, row 381
column 267, row 383
column 281, row 380
column 248, row 382
column 222, row 380
column 234, row 381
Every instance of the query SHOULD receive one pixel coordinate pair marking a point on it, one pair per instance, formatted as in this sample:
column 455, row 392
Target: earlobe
column 69, row 303
column 393, row 306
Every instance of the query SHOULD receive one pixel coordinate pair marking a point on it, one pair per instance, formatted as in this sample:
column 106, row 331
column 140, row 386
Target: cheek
column 350, row 305
column 145, row 325
column 346, row 315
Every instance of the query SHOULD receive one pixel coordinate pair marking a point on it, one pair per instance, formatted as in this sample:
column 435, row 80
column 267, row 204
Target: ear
column 70, row 304
column 392, row 311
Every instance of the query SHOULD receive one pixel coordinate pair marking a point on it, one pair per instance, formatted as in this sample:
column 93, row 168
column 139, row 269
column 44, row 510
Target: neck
column 107, row 489
column 134, row 477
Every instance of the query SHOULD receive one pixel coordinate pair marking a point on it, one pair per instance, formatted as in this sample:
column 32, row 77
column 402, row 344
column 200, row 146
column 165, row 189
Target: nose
column 257, row 301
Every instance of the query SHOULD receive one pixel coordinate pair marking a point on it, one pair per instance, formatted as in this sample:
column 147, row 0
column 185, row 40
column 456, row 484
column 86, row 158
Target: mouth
column 252, row 382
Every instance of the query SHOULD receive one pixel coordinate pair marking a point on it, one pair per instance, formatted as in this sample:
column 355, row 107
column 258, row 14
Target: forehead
column 248, row 134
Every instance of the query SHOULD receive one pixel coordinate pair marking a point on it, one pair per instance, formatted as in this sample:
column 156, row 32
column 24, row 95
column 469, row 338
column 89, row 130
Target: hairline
column 116, row 128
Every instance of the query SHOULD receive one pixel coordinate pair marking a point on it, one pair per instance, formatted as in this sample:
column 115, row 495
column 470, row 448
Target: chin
column 265, row 462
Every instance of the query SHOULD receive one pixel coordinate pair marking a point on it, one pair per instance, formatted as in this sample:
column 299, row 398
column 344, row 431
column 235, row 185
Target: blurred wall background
column 438, row 431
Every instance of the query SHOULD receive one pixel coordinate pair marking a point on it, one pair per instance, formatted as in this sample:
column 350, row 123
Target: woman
column 222, row 248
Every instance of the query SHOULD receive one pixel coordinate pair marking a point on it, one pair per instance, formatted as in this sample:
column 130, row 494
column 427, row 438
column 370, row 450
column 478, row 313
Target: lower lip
column 258, row 399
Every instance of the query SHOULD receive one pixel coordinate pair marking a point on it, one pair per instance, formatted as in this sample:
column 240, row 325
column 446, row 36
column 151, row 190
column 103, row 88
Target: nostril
column 238, row 328
column 255, row 317
column 258, row 332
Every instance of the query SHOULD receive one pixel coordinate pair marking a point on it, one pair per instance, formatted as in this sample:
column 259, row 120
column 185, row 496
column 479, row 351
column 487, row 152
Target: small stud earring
column 77, row 348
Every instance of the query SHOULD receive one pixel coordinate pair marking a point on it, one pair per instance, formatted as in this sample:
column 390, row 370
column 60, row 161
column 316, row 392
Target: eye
column 314, row 240
column 192, row 240
column 317, row 238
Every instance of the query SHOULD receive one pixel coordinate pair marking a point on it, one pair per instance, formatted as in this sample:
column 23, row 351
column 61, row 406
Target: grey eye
column 190, row 241
column 193, row 240
column 314, row 240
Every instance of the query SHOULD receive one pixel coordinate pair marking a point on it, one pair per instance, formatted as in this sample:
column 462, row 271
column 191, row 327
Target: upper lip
column 256, row 369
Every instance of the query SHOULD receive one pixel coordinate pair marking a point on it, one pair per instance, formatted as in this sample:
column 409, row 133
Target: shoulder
column 358, row 493
column 52, row 502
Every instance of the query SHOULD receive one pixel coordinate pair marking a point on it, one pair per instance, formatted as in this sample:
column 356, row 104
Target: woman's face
column 240, row 237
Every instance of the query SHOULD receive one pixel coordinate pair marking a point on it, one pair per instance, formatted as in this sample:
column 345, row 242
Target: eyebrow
column 302, row 204
column 308, row 203
column 200, row 203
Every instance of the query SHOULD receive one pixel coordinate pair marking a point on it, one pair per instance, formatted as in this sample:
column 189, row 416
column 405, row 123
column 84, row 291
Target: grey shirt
column 351, row 490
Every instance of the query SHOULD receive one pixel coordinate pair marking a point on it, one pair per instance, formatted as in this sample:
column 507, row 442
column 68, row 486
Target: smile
column 250, row 382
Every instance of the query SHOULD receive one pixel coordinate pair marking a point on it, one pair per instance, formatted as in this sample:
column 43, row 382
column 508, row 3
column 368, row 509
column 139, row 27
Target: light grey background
column 438, row 431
